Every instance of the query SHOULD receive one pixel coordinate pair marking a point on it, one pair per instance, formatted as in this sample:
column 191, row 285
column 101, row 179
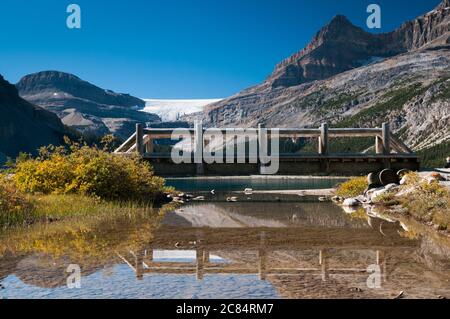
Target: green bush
column 87, row 171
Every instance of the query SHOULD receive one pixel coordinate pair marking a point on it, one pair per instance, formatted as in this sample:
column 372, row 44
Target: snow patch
column 172, row 110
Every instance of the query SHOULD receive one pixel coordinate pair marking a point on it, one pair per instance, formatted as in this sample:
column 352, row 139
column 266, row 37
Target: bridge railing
column 386, row 144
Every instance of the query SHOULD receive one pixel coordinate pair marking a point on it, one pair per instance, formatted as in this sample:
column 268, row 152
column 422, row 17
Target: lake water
column 215, row 249
column 256, row 183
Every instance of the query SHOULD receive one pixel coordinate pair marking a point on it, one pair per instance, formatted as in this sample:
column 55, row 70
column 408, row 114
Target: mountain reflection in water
column 226, row 250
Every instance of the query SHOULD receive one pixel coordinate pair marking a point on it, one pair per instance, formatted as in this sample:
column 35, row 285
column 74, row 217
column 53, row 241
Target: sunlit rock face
column 351, row 78
column 341, row 46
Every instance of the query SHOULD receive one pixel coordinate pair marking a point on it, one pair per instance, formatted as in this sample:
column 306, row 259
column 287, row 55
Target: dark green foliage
column 393, row 101
column 435, row 157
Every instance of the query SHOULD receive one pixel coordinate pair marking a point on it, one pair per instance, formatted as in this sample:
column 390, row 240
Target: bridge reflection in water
column 257, row 250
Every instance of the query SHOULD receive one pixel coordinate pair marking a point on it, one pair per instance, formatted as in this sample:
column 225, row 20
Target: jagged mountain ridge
column 341, row 46
column 84, row 106
column 364, row 95
column 25, row 127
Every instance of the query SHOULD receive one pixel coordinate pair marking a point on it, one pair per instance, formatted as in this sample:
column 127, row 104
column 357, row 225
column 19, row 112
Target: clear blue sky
column 173, row 48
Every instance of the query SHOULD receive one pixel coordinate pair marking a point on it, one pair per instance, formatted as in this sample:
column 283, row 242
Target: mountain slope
column 84, row 106
column 409, row 89
column 23, row 126
column 341, row 46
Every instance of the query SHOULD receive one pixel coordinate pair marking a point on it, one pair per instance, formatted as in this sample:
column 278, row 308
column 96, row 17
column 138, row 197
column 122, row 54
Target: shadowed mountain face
column 351, row 78
column 23, row 126
column 84, row 106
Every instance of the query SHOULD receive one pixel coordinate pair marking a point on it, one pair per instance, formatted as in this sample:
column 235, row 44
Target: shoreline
column 263, row 177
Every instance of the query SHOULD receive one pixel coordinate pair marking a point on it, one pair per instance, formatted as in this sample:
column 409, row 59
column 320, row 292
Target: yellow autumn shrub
column 352, row 188
column 87, row 171
column 15, row 207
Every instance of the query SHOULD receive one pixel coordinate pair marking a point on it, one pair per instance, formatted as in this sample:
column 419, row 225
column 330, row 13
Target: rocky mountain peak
column 341, row 46
column 443, row 5
column 52, row 82
column 87, row 108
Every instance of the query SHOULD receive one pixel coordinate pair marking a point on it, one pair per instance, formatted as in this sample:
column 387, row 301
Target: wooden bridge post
column 139, row 139
column 323, row 139
column 386, row 136
column 379, row 149
column 139, row 264
column 199, row 255
column 323, row 148
column 262, row 256
column 149, row 146
column 198, row 148
column 263, row 147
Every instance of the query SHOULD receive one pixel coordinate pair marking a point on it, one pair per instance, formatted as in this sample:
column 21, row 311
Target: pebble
column 248, row 191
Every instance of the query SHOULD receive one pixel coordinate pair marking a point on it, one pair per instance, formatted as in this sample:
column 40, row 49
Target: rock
column 392, row 187
column 323, row 199
column 248, row 191
column 435, row 177
column 351, row 202
column 337, row 199
column 350, row 210
column 232, row 199
column 178, row 200
column 199, row 198
column 404, row 180
column 377, row 194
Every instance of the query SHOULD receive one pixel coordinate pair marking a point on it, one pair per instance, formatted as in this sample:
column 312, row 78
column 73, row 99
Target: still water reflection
column 226, row 250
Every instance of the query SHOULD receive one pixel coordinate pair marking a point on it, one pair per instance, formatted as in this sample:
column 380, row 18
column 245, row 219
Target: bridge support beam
column 139, row 139
column 386, row 137
column 323, row 147
column 198, row 148
column 323, row 139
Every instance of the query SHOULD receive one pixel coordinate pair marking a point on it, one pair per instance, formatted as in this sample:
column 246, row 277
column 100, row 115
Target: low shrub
column 352, row 188
column 15, row 207
column 428, row 202
column 87, row 171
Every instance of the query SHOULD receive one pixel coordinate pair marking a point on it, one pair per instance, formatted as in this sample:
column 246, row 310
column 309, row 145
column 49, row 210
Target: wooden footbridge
column 390, row 152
